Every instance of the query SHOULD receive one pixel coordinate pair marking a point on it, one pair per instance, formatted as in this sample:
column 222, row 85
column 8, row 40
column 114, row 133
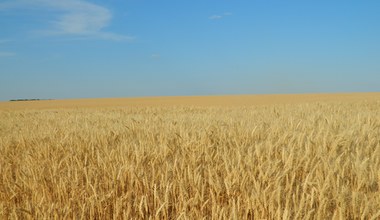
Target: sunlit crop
column 282, row 161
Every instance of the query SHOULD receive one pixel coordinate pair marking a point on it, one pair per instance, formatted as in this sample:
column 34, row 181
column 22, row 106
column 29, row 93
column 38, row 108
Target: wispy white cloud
column 74, row 18
column 216, row 17
column 3, row 53
column 7, row 54
column 3, row 41
column 8, row 5
column 156, row 56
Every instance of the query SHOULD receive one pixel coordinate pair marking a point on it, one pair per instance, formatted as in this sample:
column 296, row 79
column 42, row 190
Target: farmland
column 312, row 156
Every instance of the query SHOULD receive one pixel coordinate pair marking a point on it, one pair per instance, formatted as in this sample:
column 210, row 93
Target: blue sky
column 125, row 48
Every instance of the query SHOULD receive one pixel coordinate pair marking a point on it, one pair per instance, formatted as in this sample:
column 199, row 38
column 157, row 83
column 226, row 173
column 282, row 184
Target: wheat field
column 295, row 160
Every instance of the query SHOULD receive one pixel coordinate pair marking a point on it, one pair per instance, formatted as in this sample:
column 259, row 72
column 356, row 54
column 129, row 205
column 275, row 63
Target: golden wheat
column 287, row 161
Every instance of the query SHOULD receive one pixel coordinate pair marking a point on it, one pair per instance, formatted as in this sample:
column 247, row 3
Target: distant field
column 238, row 100
column 224, row 157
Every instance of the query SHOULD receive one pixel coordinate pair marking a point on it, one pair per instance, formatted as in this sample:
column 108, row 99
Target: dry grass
column 200, row 101
column 287, row 161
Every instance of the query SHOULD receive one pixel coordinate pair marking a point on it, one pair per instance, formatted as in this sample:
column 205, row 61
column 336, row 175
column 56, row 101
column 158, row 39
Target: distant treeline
column 19, row 100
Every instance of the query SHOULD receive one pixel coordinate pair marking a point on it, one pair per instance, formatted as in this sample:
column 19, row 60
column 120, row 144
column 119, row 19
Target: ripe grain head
column 284, row 161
